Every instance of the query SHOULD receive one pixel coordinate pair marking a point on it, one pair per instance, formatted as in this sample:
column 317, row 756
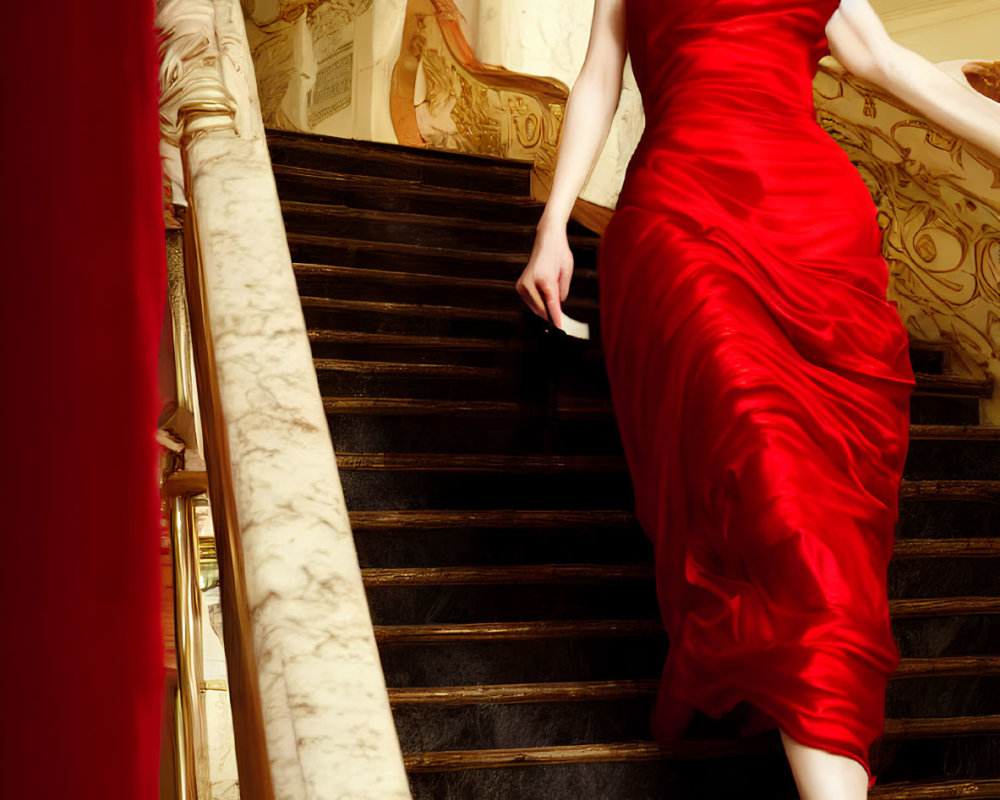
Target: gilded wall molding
column 442, row 97
column 938, row 200
column 193, row 95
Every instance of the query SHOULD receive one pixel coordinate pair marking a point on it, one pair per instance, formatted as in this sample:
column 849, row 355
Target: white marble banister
column 328, row 727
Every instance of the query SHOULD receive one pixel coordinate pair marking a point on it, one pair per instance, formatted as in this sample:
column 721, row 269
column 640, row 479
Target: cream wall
column 550, row 39
column 311, row 58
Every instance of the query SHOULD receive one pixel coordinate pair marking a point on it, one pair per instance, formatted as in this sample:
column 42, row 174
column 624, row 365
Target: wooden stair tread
column 424, row 220
column 947, row 548
column 402, row 186
column 407, row 249
column 522, row 631
column 988, row 788
column 588, row 691
column 322, row 143
column 903, row 608
column 408, row 278
column 979, row 490
column 407, row 368
column 416, row 341
column 477, row 462
column 419, row 309
column 957, row 385
column 406, row 519
column 963, row 432
column 449, row 760
column 410, row 405
column 511, row 575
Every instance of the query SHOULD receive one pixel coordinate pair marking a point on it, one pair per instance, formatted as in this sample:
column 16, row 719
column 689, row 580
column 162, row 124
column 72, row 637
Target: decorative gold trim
column 192, row 729
column 193, row 97
column 471, row 107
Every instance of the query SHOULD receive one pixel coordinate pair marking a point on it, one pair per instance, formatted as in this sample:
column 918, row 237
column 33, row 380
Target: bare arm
column 590, row 110
column 859, row 41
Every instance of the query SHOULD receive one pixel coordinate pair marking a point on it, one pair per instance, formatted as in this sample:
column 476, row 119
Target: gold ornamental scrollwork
column 193, row 97
column 465, row 105
column 938, row 202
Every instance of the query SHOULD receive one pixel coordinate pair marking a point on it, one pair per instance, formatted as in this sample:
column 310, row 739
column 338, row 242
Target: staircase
column 511, row 588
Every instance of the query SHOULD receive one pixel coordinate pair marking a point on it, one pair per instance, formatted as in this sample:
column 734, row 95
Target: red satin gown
column 759, row 376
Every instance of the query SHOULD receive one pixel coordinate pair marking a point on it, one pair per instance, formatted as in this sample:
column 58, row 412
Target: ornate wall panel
column 939, row 208
column 443, row 97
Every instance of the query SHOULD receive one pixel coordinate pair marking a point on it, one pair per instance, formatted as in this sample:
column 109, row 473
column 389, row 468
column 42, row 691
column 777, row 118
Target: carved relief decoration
column 193, row 96
column 984, row 77
column 939, row 208
column 442, row 97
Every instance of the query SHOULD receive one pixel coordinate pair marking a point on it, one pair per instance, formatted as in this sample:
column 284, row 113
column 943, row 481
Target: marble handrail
column 938, row 198
column 300, row 638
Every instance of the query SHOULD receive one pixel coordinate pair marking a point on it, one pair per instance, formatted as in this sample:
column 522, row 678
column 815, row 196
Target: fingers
column 544, row 293
column 529, row 293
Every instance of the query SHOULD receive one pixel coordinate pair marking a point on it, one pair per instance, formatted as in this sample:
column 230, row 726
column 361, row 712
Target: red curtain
column 81, row 670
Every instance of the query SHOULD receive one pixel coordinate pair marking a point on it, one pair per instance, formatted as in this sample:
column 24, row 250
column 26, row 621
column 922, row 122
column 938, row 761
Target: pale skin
column 860, row 43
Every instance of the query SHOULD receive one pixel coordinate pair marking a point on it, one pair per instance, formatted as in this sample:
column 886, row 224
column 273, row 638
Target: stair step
column 574, row 573
column 412, row 519
column 522, row 574
column 910, row 608
column 946, row 548
column 392, row 194
column 549, row 629
column 407, row 405
column 415, row 228
column 414, row 341
column 988, row 788
column 916, row 727
column 447, row 760
column 985, row 433
column 954, row 385
column 512, row 315
column 407, row 368
column 475, row 462
column 498, row 631
column 445, row 169
column 561, row 692
column 574, row 691
column 401, row 256
column 950, row 490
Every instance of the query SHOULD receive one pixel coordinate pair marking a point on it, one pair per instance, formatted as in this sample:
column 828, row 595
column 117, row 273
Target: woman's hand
column 545, row 280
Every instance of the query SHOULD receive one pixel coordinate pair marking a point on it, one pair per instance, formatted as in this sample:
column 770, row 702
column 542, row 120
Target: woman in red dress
column 760, row 378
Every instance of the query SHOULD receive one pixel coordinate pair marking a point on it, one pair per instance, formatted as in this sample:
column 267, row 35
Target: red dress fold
column 760, row 378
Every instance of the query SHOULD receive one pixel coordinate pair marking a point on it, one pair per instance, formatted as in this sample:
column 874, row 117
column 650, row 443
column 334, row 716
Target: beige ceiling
column 944, row 30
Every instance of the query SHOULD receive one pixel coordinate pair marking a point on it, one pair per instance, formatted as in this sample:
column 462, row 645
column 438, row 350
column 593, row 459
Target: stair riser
column 412, row 322
column 400, row 605
column 418, row 548
column 364, row 490
column 932, row 519
column 469, row 433
column 955, row 459
column 933, row 637
column 426, row 262
column 944, row 577
column 695, row 780
column 406, row 199
column 482, row 727
column 443, row 294
column 634, row 658
column 437, row 233
column 428, row 171
column 937, row 410
column 635, row 599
